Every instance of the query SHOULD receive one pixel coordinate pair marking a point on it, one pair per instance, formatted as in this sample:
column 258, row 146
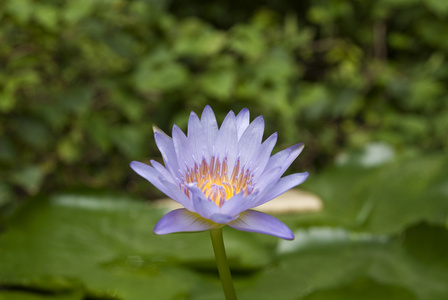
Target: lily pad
column 385, row 199
column 105, row 246
column 329, row 263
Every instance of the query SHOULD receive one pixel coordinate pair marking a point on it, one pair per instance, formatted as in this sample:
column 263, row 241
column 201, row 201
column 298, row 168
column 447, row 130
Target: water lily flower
column 219, row 174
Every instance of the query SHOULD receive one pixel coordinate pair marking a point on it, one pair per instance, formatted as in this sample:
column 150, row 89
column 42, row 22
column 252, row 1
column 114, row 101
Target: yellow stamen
column 212, row 178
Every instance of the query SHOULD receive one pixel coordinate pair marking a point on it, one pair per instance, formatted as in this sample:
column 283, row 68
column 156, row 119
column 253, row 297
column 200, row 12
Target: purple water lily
column 219, row 175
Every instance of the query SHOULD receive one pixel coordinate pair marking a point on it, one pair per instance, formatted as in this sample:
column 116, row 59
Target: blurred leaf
column 99, row 130
column 20, row 9
column 77, row 10
column 313, row 100
column 158, row 71
column 20, row 295
column 105, row 246
column 68, row 149
column 46, row 15
column 32, row 132
column 195, row 38
column 218, row 84
column 438, row 7
column 400, row 41
column 129, row 105
column 384, row 199
column 246, row 41
column 341, row 265
column 372, row 155
column 421, row 91
column 5, row 194
column 29, row 177
column 77, row 100
column 130, row 140
column 8, row 152
column 363, row 288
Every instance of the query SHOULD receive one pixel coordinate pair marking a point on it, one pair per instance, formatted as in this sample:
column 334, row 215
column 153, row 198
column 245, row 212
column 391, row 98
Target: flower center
column 213, row 179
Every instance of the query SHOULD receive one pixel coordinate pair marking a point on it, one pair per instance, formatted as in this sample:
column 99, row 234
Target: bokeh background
column 362, row 83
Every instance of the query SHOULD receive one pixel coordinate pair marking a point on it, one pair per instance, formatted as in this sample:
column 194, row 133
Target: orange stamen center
column 212, row 178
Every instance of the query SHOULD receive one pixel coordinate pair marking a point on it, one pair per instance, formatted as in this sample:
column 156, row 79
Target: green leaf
column 32, row 132
column 104, row 246
column 76, row 10
column 385, row 199
column 438, row 7
column 20, row 295
column 363, row 288
column 21, row 10
column 247, row 41
column 158, row 72
column 47, row 16
column 218, row 84
column 330, row 263
column 196, row 38
column 29, row 177
column 130, row 140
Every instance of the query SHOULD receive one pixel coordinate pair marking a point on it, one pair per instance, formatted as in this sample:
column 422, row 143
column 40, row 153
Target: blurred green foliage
column 361, row 83
column 81, row 82
column 383, row 238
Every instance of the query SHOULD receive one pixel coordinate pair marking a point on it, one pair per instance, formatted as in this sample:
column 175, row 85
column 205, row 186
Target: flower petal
column 201, row 204
column 255, row 221
column 226, row 140
column 277, row 188
column 183, row 149
column 183, row 220
column 284, row 158
column 250, row 140
column 166, row 147
column 158, row 180
column 242, row 121
column 221, row 218
column 261, row 157
column 210, row 126
column 163, row 171
column 170, row 183
column 238, row 203
column 197, row 138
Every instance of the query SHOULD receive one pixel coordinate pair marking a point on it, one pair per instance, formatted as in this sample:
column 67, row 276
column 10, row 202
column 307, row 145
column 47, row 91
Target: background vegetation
column 361, row 83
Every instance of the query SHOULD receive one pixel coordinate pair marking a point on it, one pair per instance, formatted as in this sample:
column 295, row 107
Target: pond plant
column 218, row 174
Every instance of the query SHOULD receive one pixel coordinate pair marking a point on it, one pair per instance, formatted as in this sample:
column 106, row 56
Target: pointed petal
column 178, row 195
column 201, row 204
column 284, row 158
column 166, row 147
column 250, row 140
column 163, row 171
column 255, row 221
column 197, row 138
column 261, row 157
column 210, row 126
column 158, row 180
column 182, row 220
column 242, row 121
column 221, row 218
column 238, row 203
column 172, row 185
column 183, row 150
column 267, row 178
column 226, row 141
column 283, row 185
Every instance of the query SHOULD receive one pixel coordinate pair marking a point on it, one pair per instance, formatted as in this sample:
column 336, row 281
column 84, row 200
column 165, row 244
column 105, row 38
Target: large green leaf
column 21, row 295
column 387, row 198
column 329, row 263
column 71, row 247
column 105, row 246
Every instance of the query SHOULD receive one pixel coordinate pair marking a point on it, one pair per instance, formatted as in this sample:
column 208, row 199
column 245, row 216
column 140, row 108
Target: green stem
column 222, row 264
